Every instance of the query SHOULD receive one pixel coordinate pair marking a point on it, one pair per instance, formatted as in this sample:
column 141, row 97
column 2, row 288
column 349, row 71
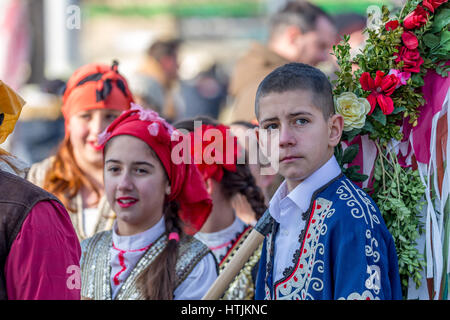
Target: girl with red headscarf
column 224, row 232
column 148, row 254
column 95, row 95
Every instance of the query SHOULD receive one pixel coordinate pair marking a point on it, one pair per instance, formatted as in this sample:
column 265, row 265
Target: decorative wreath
column 394, row 97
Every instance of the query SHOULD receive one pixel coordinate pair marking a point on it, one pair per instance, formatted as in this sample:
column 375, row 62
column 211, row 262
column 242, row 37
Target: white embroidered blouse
column 127, row 250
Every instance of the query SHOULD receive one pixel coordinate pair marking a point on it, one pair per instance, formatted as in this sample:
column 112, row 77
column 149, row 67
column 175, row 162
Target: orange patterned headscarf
column 96, row 86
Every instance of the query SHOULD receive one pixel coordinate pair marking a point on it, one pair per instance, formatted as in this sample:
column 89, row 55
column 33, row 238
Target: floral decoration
column 389, row 71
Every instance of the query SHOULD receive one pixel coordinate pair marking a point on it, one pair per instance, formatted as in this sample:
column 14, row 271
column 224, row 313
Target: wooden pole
column 254, row 239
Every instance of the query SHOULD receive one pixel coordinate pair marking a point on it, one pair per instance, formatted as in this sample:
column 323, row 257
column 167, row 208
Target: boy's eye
column 301, row 121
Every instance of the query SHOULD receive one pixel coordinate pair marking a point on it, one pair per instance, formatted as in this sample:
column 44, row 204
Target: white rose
column 353, row 109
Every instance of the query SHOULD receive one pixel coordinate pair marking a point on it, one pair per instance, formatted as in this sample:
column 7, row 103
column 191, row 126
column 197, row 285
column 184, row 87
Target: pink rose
column 402, row 76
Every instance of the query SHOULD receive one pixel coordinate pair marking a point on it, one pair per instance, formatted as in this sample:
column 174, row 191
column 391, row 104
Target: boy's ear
column 335, row 127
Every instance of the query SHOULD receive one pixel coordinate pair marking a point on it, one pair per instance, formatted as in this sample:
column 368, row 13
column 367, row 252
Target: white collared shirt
column 287, row 210
column 131, row 248
column 220, row 242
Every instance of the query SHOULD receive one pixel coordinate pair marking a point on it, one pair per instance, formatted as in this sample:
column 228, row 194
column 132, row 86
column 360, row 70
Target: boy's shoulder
column 342, row 189
column 349, row 203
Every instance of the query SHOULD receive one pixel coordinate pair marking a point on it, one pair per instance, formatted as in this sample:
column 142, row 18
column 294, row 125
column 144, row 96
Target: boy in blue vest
column 328, row 239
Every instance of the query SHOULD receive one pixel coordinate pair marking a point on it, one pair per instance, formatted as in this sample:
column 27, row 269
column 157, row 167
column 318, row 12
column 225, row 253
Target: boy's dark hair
column 298, row 76
column 302, row 14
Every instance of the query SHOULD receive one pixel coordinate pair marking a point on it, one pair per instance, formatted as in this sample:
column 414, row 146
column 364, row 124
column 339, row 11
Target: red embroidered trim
column 122, row 261
column 220, row 246
column 235, row 243
column 301, row 251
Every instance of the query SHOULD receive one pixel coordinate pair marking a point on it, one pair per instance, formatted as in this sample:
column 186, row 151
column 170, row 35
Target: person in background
column 203, row 86
column 299, row 32
column 95, row 95
column 351, row 24
column 40, row 128
column 39, row 249
column 224, row 232
column 150, row 253
column 147, row 92
column 161, row 65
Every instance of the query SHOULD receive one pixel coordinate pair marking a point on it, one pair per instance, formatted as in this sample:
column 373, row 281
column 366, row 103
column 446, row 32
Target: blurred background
column 43, row 41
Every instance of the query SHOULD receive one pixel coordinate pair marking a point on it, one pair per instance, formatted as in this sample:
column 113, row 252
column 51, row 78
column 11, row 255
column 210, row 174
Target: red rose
column 392, row 25
column 432, row 4
column 382, row 87
column 416, row 19
column 410, row 40
column 411, row 59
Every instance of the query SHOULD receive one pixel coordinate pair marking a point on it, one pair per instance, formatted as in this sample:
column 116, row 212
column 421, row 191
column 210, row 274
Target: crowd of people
column 111, row 205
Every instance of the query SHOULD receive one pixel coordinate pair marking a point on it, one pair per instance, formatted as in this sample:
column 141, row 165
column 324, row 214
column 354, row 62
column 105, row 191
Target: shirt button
column 285, row 232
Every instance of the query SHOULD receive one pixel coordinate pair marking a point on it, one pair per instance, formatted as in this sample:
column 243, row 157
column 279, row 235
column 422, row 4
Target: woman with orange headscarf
column 95, row 95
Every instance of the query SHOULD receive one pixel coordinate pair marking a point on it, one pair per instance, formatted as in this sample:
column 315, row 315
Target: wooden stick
column 254, row 239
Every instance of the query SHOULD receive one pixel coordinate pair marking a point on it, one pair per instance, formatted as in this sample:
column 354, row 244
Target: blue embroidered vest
column 344, row 252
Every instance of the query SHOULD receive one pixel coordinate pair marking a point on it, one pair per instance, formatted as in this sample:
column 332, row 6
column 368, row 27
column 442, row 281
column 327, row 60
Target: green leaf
column 443, row 71
column 445, row 40
column 431, row 40
column 368, row 127
column 357, row 177
column 441, row 20
column 398, row 110
column 417, row 80
column 378, row 116
column 350, row 135
column 350, row 153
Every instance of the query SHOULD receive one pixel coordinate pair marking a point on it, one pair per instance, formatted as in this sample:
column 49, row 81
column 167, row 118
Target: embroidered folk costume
column 39, row 249
column 93, row 86
column 328, row 242
column 112, row 264
column 224, row 245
